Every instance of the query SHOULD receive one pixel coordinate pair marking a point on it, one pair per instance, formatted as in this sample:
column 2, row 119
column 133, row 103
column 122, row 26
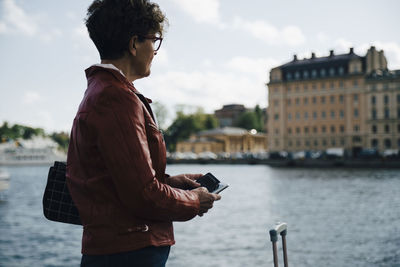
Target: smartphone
column 212, row 184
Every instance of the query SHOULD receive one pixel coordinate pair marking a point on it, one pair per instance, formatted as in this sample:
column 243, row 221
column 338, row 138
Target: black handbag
column 57, row 202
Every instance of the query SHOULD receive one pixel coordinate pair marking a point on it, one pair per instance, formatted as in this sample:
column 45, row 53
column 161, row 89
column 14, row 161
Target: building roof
column 302, row 69
column 224, row 131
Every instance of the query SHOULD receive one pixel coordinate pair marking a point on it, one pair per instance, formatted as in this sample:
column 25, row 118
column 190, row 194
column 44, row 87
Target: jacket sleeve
column 122, row 143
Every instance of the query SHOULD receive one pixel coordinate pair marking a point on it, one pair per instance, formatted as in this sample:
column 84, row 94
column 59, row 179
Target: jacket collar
column 92, row 70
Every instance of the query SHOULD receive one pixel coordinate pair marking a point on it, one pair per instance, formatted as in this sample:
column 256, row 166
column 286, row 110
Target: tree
column 185, row 125
column 161, row 113
column 251, row 119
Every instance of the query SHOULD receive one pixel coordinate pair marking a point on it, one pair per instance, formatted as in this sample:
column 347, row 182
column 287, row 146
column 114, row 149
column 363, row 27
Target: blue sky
column 215, row 52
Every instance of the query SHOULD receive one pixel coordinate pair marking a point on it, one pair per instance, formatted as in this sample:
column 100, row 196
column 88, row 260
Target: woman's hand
column 184, row 181
column 206, row 199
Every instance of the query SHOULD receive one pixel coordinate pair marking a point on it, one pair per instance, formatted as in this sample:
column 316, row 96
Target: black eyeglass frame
column 154, row 38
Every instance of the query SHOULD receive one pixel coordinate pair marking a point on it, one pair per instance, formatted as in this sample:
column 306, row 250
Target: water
column 336, row 217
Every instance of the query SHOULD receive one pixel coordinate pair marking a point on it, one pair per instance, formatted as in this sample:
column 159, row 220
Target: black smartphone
column 212, row 184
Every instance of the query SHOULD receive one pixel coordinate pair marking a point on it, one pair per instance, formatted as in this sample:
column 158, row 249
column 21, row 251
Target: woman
column 116, row 158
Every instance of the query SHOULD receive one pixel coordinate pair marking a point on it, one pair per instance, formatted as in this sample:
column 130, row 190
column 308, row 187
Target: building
column 346, row 101
column 229, row 114
column 224, row 140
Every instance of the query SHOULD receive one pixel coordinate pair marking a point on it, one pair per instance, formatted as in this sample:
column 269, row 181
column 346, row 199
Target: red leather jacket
column 116, row 170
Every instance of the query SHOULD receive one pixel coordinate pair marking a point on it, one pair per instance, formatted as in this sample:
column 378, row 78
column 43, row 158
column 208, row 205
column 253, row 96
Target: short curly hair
column 111, row 24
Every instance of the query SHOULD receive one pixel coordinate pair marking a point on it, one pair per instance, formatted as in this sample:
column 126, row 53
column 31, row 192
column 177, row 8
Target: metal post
column 285, row 260
column 274, row 238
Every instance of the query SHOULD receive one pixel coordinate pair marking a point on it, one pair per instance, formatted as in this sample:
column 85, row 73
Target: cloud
column 30, row 97
column 288, row 35
column 16, row 20
column 239, row 80
column 202, row 11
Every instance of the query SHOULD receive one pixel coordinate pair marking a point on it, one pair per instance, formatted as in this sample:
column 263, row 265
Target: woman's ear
column 132, row 45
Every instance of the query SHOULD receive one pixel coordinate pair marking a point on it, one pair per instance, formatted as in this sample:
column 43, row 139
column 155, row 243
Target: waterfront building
column 229, row 114
column 224, row 140
column 342, row 101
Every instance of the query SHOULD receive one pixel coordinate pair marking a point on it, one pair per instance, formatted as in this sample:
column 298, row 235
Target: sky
column 215, row 52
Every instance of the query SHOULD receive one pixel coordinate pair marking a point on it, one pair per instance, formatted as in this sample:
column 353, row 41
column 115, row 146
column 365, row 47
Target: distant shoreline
column 301, row 163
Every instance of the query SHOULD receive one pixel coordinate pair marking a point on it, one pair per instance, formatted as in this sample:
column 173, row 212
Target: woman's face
column 144, row 55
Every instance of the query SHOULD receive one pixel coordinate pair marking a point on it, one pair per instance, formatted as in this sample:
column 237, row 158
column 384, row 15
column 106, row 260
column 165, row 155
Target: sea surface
column 335, row 217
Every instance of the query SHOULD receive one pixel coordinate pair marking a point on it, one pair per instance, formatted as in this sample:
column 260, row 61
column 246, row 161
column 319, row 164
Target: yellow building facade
column 226, row 139
column 342, row 101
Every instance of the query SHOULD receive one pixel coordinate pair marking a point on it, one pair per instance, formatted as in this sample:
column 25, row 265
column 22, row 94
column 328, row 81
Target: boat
column 35, row 151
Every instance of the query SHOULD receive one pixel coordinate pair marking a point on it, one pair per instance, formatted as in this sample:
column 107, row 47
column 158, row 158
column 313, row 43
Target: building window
column 388, row 143
column 356, row 138
column 323, row 86
column 373, row 100
column 355, row 98
column 355, row 83
column 386, row 99
column 314, row 86
column 289, row 116
column 314, row 100
column 289, row 102
column 289, row 130
column 332, row 99
column 298, row 143
column 276, row 116
column 356, row 128
column 323, row 72
column 341, row 114
column 332, row 85
column 323, row 142
column 355, row 113
column 277, row 131
column 297, row 101
column 315, row 115
column 387, row 128
column 333, row 142
column 323, row 99
column 305, row 100
column 374, row 114
column 323, row 129
column 306, row 115
column 342, row 128
column 289, row 76
column 374, row 129
column 342, row 141
column 306, row 129
column 314, row 73
column 307, row 143
column 332, row 114
column 297, row 88
column 387, row 113
column 341, row 70
column 305, row 87
column 315, row 129
column 331, row 71
column 276, row 102
column 374, row 143
column 297, row 116
column 305, row 74
column 333, row 129
column 289, row 88
column 341, row 84
column 315, row 143
column 398, row 98
column 297, row 75
column 323, row 114
column 341, row 98
column 290, row 143
column 297, row 130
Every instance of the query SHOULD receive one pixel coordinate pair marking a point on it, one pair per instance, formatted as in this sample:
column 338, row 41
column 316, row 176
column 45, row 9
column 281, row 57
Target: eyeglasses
column 155, row 40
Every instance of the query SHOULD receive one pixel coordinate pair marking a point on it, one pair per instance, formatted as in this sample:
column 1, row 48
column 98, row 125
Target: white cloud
column 322, row 37
column 16, row 20
column 258, row 67
column 202, row 11
column 288, row 35
column 30, row 97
